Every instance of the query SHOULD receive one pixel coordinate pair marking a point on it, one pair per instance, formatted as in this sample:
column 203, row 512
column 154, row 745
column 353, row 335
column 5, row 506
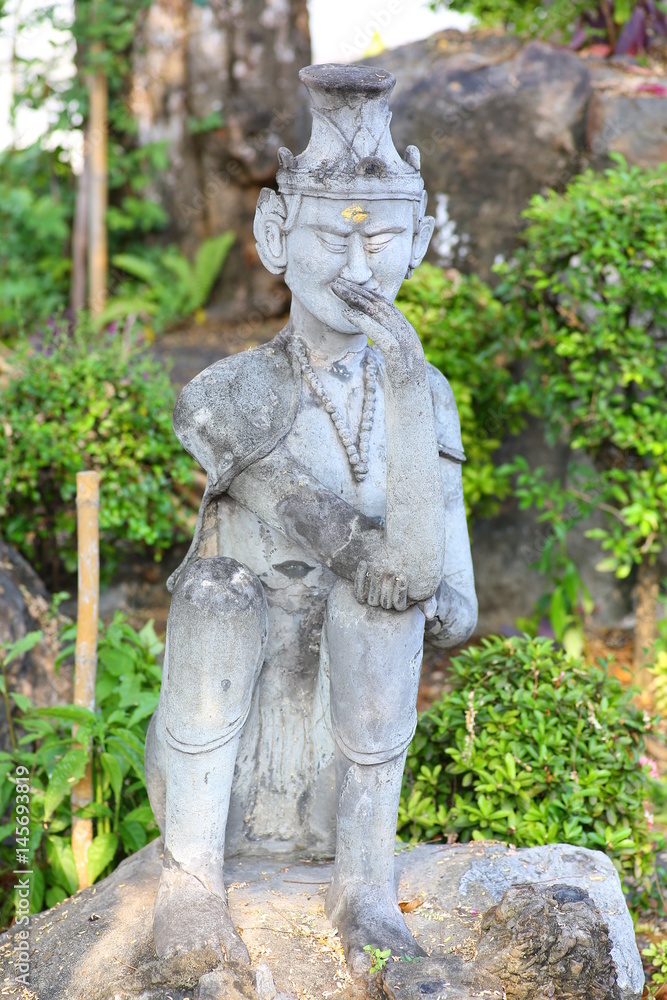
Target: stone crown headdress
column 351, row 152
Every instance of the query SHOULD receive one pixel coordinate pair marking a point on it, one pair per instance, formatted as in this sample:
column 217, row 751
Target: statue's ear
column 270, row 217
column 420, row 242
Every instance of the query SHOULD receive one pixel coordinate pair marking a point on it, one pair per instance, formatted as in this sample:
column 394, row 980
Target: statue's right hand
column 379, row 587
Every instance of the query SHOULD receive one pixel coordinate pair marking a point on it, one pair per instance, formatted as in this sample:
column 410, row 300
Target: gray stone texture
column 331, row 537
column 24, row 607
column 475, row 909
column 238, row 61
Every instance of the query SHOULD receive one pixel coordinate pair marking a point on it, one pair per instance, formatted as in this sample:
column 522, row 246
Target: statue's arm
column 287, row 497
column 456, row 614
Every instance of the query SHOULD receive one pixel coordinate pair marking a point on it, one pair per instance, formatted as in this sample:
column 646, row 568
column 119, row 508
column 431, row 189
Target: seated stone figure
column 295, row 634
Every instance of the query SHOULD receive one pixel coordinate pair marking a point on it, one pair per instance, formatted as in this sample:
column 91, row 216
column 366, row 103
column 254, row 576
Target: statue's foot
column 369, row 915
column 188, row 917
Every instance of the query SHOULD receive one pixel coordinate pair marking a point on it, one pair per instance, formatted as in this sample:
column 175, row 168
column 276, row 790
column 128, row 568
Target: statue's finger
column 387, row 591
column 400, row 593
column 429, row 607
column 362, row 299
column 365, row 324
column 371, row 295
column 375, row 587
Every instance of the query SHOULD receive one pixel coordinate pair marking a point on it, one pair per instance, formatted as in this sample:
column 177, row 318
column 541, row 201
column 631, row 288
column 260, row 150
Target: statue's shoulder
column 237, row 410
column 447, row 424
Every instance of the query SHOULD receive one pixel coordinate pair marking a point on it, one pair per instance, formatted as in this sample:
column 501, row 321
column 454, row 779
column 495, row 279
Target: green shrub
column 624, row 26
column 165, row 286
column 126, row 695
column 78, row 404
column 658, row 956
column 586, row 295
column 586, row 305
column 35, row 219
column 532, row 747
column 459, row 323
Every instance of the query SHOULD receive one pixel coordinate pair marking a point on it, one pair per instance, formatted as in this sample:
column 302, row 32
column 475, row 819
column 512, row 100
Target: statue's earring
column 269, row 231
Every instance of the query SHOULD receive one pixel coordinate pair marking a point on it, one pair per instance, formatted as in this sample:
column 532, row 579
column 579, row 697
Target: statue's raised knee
column 216, row 635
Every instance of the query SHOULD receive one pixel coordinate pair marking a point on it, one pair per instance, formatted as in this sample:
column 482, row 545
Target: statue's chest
column 317, row 445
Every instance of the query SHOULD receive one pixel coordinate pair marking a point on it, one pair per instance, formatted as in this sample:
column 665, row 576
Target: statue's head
column 348, row 205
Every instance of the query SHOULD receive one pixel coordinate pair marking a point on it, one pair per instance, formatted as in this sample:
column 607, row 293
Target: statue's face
column 366, row 241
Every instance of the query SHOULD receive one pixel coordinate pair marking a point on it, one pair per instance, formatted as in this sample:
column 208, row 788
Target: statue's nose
column 356, row 267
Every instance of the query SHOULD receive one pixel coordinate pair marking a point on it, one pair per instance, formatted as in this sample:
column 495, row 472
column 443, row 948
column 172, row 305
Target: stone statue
column 319, row 565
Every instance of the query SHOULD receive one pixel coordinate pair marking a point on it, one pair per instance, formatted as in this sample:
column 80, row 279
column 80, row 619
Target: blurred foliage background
column 126, row 239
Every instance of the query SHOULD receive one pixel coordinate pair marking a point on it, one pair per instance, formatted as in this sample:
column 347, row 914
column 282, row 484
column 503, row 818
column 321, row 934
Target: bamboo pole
column 97, row 190
column 87, row 504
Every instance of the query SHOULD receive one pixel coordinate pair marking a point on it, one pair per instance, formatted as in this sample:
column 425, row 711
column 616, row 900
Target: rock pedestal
column 538, row 923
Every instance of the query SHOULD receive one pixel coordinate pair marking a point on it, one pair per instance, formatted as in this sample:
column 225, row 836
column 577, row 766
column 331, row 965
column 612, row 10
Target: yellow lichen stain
column 355, row 213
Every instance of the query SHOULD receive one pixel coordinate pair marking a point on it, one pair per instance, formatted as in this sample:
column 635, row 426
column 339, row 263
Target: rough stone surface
column 494, row 126
column 470, row 907
column 238, row 62
column 497, row 123
column 450, row 978
column 24, row 607
column 549, row 941
column 628, row 115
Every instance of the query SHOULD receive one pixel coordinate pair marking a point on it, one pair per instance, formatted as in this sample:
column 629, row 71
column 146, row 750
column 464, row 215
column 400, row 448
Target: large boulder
column 496, row 921
column 498, row 122
column 25, row 607
column 494, row 125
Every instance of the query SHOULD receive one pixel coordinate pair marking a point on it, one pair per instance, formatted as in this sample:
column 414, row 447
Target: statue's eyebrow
column 388, row 230
column 331, row 230
column 342, row 233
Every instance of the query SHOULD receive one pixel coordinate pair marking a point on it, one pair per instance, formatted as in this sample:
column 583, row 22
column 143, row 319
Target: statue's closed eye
column 378, row 243
column 332, row 244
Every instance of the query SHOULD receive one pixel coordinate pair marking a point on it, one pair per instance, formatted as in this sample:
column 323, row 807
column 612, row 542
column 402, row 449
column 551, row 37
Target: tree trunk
column 234, row 65
column 646, row 597
column 80, row 244
column 98, row 192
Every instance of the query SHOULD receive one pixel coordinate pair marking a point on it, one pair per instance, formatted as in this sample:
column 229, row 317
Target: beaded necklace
column 357, row 454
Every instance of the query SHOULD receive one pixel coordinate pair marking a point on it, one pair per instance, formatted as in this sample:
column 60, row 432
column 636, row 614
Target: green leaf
column 607, row 565
column 113, row 771
column 133, row 836
column 21, row 646
column 100, row 854
column 67, row 772
column 61, row 860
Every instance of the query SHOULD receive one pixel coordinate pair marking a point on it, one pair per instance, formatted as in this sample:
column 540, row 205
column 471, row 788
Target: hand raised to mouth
column 378, row 318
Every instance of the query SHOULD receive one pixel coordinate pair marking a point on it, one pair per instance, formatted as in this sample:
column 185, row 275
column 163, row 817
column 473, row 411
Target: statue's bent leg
column 216, row 636
column 375, row 662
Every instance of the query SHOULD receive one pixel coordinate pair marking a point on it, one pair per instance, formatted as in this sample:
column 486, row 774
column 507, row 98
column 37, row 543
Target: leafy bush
column 459, row 323
column 623, row 26
column 78, row 404
column 657, row 953
column 168, row 287
column 126, row 695
column 586, row 304
column 532, row 747
column 35, row 218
